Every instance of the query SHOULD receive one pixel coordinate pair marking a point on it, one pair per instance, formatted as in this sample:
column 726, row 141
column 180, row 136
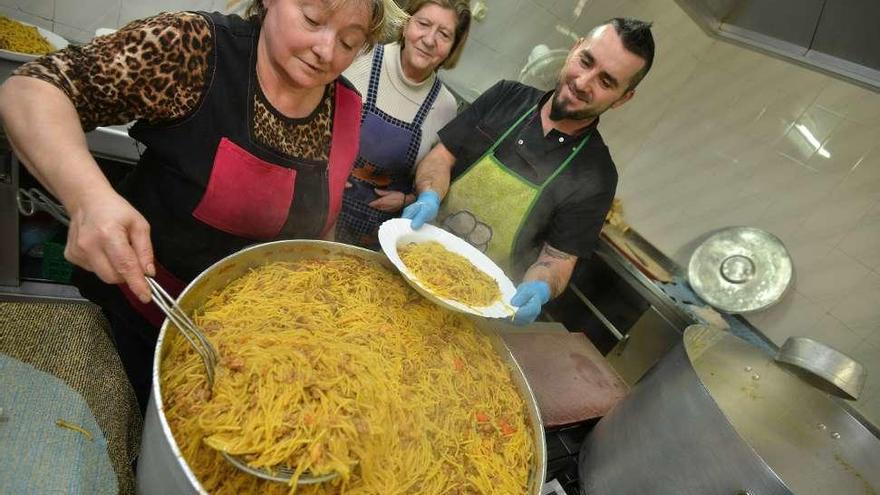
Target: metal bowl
column 838, row 373
column 161, row 468
column 740, row 270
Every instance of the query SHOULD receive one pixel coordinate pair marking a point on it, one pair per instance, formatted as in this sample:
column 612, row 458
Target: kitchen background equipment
column 718, row 415
column 837, row 373
column 740, row 269
column 635, row 255
column 161, row 469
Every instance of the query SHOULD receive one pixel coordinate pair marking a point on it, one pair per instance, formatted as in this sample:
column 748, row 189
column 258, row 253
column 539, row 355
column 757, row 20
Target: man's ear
column 623, row 99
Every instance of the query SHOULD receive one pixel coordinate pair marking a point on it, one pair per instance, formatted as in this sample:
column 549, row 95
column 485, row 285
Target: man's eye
column 311, row 21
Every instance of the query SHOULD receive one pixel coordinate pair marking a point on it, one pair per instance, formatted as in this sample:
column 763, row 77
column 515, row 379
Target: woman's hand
column 109, row 237
column 388, row 201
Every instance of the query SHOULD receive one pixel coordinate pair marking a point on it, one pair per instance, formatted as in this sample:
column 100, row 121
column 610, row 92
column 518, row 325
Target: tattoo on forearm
column 555, row 253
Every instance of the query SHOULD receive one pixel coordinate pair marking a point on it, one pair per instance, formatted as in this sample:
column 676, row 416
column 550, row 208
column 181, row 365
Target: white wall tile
column 132, row 9
column 73, row 34
column 848, row 144
column 833, row 332
column 830, row 278
column 864, row 177
column 88, row 15
column 851, row 101
column 863, row 241
column 15, row 13
column 39, row 8
column 859, row 310
column 793, row 315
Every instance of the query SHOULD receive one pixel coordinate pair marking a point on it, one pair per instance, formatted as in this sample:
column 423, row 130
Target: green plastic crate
column 55, row 267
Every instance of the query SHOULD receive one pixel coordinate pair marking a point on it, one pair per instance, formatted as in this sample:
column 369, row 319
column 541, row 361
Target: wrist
column 542, row 290
column 429, row 195
column 76, row 198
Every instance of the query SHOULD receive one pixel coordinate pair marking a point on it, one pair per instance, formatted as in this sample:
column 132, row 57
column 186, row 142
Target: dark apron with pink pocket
column 208, row 188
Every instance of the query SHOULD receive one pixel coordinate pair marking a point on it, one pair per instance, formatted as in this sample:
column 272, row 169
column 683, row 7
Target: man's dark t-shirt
column 570, row 212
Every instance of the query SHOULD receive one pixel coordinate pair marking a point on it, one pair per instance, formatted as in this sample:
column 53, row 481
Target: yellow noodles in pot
column 449, row 275
column 339, row 366
column 16, row 37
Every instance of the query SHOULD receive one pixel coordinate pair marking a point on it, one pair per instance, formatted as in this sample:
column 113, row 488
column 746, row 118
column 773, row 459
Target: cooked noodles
column 449, row 275
column 338, row 366
column 17, row 37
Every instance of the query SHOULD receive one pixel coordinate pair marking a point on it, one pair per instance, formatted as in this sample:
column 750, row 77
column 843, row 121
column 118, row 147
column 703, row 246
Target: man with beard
column 531, row 178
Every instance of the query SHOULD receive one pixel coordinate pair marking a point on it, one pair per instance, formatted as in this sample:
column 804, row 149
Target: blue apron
column 387, row 154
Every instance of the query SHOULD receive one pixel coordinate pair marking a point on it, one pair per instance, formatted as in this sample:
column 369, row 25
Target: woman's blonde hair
column 462, row 11
column 385, row 22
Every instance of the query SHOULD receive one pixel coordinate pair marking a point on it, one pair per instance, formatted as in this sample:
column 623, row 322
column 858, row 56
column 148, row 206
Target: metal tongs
column 206, row 351
column 187, row 327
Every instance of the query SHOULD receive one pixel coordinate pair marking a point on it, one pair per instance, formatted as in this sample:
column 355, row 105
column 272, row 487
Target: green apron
column 489, row 203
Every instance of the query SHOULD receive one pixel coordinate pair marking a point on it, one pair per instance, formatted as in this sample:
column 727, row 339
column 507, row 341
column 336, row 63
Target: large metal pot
column 161, row 468
column 719, row 416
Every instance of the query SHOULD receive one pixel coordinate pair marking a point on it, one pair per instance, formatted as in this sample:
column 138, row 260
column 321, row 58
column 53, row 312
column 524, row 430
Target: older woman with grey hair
column 250, row 134
column 405, row 105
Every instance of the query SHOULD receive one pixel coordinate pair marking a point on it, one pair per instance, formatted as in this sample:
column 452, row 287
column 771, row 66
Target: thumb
column 522, row 297
column 143, row 248
column 383, row 192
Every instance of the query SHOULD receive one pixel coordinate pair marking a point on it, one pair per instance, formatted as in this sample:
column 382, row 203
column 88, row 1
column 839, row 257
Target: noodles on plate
column 16, row 37
column 337, row 365
column 449, row 275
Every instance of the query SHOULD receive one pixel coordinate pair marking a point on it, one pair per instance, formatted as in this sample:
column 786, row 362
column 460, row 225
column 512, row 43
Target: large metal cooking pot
column 719, row 416
column 161, row 468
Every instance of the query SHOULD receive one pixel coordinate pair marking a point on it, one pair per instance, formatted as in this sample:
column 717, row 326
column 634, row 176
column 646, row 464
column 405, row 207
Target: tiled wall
column 717, row 136
column 77, row 20
column 720, row 135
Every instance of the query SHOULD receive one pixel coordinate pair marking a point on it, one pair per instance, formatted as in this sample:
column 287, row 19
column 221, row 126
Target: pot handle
column 823, row 366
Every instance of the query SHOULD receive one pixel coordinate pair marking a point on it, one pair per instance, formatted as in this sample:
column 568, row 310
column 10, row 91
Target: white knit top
column 401, row 97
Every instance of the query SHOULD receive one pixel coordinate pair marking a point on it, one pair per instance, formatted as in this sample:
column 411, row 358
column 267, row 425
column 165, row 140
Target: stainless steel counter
column 671, row 310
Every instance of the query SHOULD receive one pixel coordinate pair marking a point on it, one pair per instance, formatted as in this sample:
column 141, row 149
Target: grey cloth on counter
column 64, row 357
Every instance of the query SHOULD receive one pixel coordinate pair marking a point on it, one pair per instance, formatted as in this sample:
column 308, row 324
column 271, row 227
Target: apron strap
column 375, row 74
column 510, row 129
column 558, row 170
column 428, row 103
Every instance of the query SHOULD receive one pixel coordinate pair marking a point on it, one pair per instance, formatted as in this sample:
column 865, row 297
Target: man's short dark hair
column 637, row 39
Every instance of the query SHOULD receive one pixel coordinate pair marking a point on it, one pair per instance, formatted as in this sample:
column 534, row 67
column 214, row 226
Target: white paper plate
column 56, row 41
column 398, row 231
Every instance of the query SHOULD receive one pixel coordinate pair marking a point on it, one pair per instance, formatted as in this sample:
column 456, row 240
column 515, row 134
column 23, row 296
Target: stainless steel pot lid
column 740, row 269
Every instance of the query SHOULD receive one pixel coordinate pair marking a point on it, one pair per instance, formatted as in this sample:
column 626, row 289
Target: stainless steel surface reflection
column 718, row 415
column 740, row 269
column 840, row 374
column 803, row 435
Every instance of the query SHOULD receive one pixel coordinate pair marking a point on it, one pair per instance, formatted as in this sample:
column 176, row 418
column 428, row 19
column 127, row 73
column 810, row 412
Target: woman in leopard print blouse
column 250, row 134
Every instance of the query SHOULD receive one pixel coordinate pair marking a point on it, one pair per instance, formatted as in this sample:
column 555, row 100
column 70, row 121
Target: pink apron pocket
column 246, row 196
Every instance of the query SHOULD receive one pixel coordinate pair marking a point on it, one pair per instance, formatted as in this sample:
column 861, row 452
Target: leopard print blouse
column 156, row 69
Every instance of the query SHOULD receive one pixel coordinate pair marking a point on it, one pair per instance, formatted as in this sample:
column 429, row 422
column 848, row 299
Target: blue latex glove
column 530, row 296
column 425, row 209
